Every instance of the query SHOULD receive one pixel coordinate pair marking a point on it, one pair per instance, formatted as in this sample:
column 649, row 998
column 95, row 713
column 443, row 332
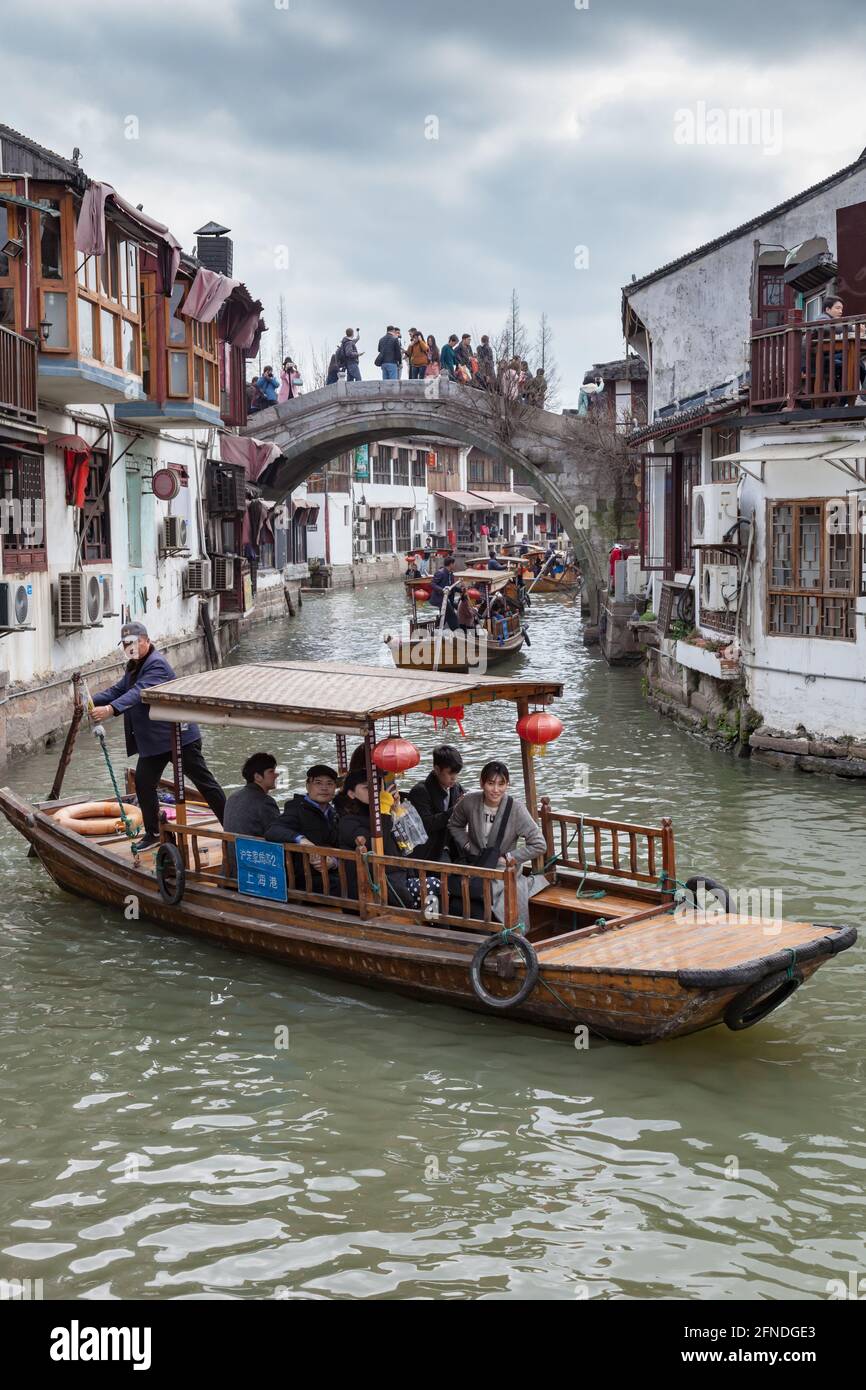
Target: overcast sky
column 420, row 160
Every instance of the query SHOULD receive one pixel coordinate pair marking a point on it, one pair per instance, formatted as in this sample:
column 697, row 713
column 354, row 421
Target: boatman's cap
column 132, row 630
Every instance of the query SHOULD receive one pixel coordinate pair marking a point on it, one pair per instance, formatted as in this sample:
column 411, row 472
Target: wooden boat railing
column 619, row 849
column 370, row 870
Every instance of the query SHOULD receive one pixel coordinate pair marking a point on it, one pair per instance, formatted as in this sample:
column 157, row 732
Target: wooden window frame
column 200, row 346
column 103, row 303
column 12, row 280
column 17, row 558
column 824, row 592
column 68, row 284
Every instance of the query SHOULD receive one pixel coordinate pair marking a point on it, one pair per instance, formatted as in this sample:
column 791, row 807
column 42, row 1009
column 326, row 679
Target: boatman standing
column 151, row 738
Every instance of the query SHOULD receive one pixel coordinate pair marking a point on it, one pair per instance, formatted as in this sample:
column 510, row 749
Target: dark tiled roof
column 627, row 368
column 21, row 155
column 746, row 226
column 693, row 418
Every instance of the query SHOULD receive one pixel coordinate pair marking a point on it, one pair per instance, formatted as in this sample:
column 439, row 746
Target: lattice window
column 723, row 441
column 382, row 464
column 23, row 511
column 382, row 533
column 401, row 468
column 656, row 512
column 403, row 531
column 811, row 578
column 419, row 469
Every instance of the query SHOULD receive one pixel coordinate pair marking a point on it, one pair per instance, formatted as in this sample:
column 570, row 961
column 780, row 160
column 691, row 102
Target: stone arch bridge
column 556, row 454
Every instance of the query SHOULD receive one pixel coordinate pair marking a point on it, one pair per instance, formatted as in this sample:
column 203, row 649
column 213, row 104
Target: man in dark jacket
column 310, row 818
column 151, row 738
column 348, row 356
column 252, row 810
column 435, row 798
column 390, row 356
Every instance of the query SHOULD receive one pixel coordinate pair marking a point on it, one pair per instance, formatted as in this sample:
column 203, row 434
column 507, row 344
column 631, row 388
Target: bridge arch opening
column 313, row 429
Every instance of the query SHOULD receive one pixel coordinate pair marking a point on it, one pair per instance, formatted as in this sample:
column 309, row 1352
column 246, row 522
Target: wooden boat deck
column 667, row 943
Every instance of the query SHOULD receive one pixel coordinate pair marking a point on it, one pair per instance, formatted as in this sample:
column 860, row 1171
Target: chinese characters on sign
column 362, row 463
column 261, row 870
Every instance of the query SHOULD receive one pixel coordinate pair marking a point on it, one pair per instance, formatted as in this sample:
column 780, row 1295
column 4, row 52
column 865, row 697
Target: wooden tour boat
column 426, row 644
column 605, row 948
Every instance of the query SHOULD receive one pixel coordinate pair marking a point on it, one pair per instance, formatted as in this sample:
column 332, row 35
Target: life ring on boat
column 530, row 960
column 170, row 873
column 718, row 890
column 760, row 999
column 96, row 818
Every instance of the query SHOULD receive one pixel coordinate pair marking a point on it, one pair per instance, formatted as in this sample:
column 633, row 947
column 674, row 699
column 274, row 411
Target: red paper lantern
column 421, row 592
column 474, row 594
column 539, row 729
column 395, row 755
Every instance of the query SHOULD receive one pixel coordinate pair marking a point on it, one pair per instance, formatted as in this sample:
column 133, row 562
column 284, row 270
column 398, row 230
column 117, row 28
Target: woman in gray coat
column 476, row 823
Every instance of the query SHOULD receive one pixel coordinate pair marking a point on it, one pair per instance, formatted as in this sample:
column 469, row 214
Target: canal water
column 158, row 1141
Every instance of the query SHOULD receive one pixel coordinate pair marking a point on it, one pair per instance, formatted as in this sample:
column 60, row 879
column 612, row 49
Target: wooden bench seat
column 613, row 904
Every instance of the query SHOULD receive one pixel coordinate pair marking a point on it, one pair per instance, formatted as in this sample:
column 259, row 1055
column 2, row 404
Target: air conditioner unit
column 223, row 572
column 719, row 585
column 362, row 511
column 108, row 608
column 428, row 527
column 198, row 577
column 714, row 513
column 173, row 534
column 363, row 547
column 363, row 528
column 636, row 578
column 14, row 606
column 79, row 601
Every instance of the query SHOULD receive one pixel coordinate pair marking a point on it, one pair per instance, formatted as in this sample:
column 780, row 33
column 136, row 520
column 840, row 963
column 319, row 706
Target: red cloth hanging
column 76, row 468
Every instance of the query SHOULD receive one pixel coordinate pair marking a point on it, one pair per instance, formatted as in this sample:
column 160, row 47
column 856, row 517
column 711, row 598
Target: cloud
column 308, row 126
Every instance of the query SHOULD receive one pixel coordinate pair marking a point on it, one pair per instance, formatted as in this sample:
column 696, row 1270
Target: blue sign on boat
column 261, row 869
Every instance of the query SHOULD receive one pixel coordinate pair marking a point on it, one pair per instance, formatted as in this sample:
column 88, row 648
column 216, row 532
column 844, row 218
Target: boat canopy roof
column 494, row 579
column 326, row 695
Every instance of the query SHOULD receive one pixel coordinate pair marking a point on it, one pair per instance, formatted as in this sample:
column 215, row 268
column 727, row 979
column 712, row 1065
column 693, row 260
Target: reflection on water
column 157, row 1142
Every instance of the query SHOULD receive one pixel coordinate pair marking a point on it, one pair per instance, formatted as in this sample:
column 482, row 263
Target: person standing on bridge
column 448, row 357
column 486, row 364
column 347, row 355
column 418, row 355
column 390, row 354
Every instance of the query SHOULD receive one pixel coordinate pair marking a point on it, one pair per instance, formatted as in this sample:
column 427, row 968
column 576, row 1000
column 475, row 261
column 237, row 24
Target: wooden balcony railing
column 806, row 365
column 17, row 376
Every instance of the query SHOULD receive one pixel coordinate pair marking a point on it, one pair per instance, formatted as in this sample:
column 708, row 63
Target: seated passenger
column 466, row 613
column 493, row 561
column 404, row 888
column 435, row 798
column 310, row 818
column 488, row 824
column 251, row 810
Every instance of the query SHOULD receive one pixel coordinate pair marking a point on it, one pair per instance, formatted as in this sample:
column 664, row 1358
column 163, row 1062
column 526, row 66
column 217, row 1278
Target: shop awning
column 802, row 449
column 857, row 450
column 466, row 501
column 505, row 499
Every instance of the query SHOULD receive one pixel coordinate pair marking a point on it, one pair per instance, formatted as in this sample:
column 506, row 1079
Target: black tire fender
column 530, row 960
column 718, row 890
column 753, row 1004
column 170, row 873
